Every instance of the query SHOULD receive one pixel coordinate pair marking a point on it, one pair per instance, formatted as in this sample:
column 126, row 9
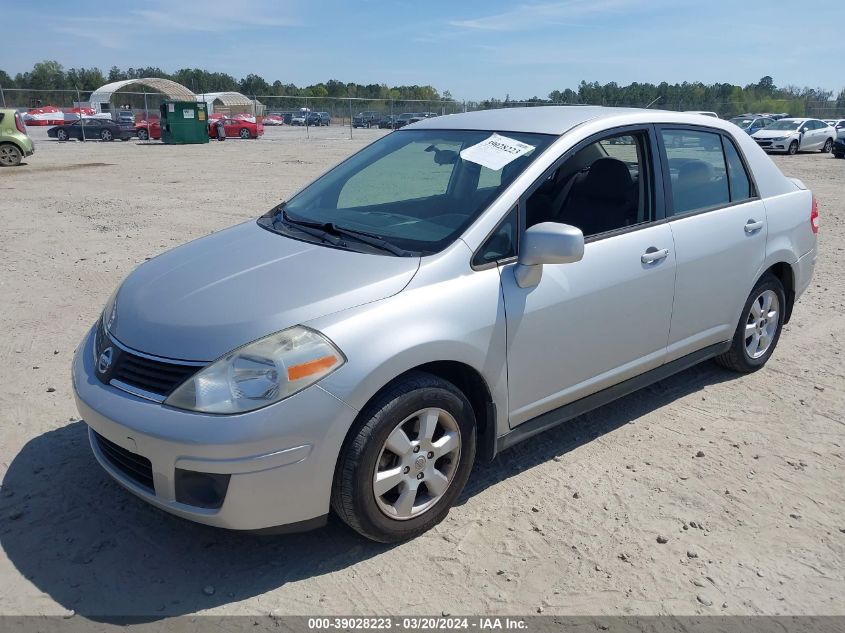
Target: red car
column 146, row 130
column 236, row 128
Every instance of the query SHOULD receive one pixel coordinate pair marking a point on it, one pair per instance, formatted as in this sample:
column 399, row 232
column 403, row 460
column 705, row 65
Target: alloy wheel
column 417, row 463
column 761, row 324
column 9, row 155
column 106, row 135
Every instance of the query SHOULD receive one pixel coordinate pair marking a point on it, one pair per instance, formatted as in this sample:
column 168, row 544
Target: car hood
column 764, row 133
column 210, row 296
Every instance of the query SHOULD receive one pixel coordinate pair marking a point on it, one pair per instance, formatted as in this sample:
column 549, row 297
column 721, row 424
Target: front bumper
column 279, row 460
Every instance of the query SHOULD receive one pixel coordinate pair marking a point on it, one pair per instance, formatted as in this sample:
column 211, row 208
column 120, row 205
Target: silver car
column 453, row 288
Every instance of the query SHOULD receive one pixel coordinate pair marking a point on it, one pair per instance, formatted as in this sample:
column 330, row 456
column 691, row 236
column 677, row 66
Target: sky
column 475, row 49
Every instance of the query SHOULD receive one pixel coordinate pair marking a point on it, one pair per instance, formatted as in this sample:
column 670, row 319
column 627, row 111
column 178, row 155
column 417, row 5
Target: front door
column 590, row 324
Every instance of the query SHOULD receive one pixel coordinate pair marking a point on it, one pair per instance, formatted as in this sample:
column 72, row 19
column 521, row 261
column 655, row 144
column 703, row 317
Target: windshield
column 742, row 122
column 412, row 188
column 783, row 124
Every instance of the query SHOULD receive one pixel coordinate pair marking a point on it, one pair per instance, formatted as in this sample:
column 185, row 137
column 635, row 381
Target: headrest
column 695, row 172
column 607, row 179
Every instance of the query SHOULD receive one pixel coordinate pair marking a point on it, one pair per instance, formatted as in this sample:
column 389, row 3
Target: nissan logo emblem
column 105, row 360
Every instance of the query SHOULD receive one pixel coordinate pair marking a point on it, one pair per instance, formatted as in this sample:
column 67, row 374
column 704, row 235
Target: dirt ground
column 755, row 526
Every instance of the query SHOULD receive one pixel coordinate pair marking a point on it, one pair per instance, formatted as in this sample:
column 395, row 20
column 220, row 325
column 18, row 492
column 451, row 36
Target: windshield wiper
column 330, row 228
column 313, row 230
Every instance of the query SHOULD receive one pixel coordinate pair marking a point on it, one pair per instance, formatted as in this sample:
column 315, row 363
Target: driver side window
column 605, row 186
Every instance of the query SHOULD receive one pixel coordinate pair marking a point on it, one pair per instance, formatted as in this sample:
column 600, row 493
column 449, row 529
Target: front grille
column 156, row 376
column 150, row 375
column 137, row 468
column 764, row 143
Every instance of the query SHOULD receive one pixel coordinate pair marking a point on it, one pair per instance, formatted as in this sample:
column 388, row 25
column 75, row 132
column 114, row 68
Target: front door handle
column 752, row 226
column 654, row 255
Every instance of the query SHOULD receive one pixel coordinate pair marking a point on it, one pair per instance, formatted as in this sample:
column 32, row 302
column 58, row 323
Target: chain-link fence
column 353, row 113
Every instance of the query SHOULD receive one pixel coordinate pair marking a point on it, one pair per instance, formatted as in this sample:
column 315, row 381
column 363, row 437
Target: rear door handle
column 654, row 255
column 752, row 226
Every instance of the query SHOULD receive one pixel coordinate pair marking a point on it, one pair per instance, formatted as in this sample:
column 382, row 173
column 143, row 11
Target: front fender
column 461, row 319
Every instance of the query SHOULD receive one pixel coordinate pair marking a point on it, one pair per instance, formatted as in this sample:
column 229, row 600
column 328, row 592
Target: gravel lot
column 756, row 526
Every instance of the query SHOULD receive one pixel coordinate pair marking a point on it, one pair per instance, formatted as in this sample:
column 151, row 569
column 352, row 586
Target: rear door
column 718, row 223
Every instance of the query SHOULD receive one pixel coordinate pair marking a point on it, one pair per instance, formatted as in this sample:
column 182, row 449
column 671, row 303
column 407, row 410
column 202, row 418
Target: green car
column 14, row 141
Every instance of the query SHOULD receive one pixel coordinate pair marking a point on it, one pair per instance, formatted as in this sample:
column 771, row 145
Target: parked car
column 236, row 128
column 126, row 117
column 836, row 124
column 752, row 123
column 703, row 113
column 796, row 135
column 15, row 143
column 273, row 120
column 318, row 118
column 442, row 323
column 368, row 118
column 92, row 129
column 403, row 119
column 146, row 130
column 298, row 118
column 839, row 143
column 388, row 122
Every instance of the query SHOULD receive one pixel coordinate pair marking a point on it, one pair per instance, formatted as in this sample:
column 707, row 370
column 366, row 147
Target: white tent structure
column 230, row 103
column 101, row 99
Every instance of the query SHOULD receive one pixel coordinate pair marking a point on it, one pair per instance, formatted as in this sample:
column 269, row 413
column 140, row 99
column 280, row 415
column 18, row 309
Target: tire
column 738, row 357
column 793, row 148
column 62, row 135
column 398, row 412
column 10, row 155
column 828, row 145
column 244, row 133
column 839, row 155
column 106, row 135
column 143, row 135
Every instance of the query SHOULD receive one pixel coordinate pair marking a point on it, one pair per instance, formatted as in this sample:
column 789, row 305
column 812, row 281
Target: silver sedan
column 450, row 290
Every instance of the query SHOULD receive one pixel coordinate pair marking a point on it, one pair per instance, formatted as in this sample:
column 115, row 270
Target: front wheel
column 759, row 328
column 106, row 135
column 793, row 148
column 62, row 135
column 828, row 145
column 407, row 459
column 143, row 135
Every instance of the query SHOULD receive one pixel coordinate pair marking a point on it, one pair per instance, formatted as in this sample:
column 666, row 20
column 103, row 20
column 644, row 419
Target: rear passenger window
column 737, row 176
column 699, row 178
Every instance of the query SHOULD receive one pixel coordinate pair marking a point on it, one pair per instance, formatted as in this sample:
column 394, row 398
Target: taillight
column 19, row 124
column 814, row 216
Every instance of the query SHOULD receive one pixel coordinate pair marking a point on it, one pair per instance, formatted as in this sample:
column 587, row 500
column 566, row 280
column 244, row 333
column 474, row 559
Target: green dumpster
column 184, row 122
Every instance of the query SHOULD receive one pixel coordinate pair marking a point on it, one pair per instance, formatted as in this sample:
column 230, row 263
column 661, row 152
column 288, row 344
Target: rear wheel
column 244, row 133
column 106, row 135
column 407, row 460
column 793, row 148
column 828, row 145
column 759, row 328
column 10, row 155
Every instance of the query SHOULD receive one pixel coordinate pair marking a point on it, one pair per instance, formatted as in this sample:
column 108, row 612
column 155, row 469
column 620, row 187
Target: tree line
column 724, row 98
column 51, row 75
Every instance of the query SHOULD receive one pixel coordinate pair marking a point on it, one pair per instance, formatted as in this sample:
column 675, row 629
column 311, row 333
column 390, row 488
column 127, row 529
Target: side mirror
column 547, row 243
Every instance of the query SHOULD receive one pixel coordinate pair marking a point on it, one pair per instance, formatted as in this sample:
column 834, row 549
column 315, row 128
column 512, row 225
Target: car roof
column 556, row 119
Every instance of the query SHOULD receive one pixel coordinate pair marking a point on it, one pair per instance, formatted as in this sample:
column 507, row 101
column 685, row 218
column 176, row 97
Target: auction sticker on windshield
column 496, row 151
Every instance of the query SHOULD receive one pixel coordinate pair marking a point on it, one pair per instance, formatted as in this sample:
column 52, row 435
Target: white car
column 837, row 124
column 703, row 113
column 298, row 119
column 796, row 135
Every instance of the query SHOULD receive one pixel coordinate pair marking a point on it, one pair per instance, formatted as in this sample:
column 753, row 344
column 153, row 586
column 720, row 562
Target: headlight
column 780, row 138
column 260, row 373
